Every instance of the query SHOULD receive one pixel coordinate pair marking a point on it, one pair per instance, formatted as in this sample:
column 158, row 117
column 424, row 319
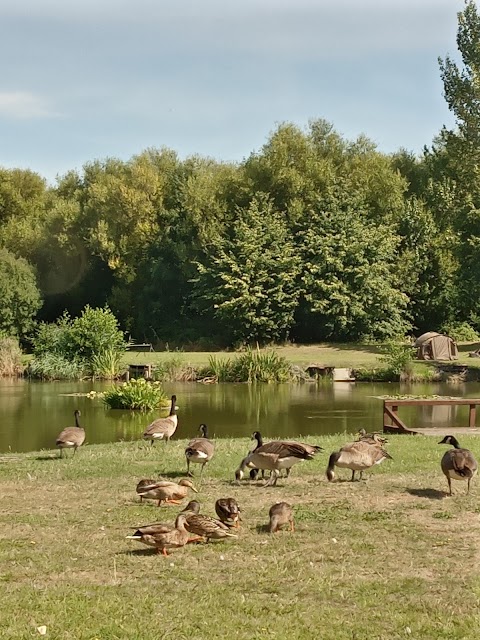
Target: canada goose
column 372, row 438
column 199, row 450
column 163, row 536
column 277, row 455
column 228, row 511
column 163, row 428
column 280, row 513
column 356, row 456
column 168, row 492
column 458, row 463
column 71, row 436
column 207, row 527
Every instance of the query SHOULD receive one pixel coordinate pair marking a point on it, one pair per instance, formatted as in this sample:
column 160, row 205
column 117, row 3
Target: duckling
column 163, row 428
column 356, row 456
column 163, row 536
column 71, row 436
column 458, row 463
column 207, row 527
column 280, row 513
column 277, row 455
column 228, row 511
column 372, row 438
column 168, row 492
column 199, row 450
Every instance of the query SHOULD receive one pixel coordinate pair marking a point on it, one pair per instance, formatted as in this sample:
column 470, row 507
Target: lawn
column 388, row 558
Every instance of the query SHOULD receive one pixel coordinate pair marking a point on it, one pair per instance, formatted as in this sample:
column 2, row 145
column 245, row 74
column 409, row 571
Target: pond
column 33, row 413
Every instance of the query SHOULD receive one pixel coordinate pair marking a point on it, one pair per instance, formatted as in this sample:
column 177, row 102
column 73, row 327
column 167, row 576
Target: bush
column 10, row 358
column 461, row 332
column 398, row 357
column 53, row 366
column 251, row 366
column 91, row 343
column 135, row 394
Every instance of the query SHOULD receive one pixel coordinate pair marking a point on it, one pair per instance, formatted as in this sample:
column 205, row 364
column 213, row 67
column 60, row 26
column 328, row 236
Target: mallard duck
column 372, row 438
column 71, row 436
column 280, row 513
column 163, row 428
column 207, row 527
column 458, row 463
column 357, row 456
column 199, row 450
column 277, row 455
column 163, row 536
column 168, row 492
column 140, row 489
column 228, row 511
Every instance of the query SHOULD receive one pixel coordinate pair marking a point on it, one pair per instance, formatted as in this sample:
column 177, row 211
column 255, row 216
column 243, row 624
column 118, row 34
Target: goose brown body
column 277, row 455
column 357, row 456
column 163, row 428
column 458, row 463
column 71, row 436
column 280, row 514
column 165, row 491
column 199, row 450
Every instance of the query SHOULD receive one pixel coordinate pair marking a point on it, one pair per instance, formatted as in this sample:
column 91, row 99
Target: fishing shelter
column 435, row 346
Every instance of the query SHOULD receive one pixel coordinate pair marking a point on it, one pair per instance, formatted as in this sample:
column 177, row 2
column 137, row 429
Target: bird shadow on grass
column 137, row 552
column 431, row 494
column 173, row 474
column 49, row 457
column 262, row 528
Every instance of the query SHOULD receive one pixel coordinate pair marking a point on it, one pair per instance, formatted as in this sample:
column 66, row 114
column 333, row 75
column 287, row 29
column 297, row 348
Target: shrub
column 251, row 366
column 135, row 394
column 461, row 332
column 53, row 366
column 94, row 332
column 398, row 358
column 107, row 364
column 10, row 357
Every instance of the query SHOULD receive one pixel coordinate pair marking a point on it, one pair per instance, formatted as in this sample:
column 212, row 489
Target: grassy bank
column 383, row 559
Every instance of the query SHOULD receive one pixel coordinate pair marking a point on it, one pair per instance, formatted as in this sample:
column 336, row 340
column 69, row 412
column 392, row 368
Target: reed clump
column 135, row 394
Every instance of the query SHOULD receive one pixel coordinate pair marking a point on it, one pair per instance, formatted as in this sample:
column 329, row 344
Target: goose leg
column 449, row 485
column 74, row 450
column 353, row 475
column 292, row 526
column 189, row 473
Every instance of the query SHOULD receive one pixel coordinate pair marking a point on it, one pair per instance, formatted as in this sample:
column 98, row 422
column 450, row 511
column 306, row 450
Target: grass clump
column 11, row 363
column 251, row 366
column 107, row 364
column 135, row 394
column 54, row 366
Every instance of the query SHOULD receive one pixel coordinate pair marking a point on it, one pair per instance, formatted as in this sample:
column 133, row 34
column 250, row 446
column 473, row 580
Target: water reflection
column 33, row 413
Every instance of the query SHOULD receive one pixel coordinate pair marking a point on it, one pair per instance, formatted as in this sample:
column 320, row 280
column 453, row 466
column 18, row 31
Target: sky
column 91, row 79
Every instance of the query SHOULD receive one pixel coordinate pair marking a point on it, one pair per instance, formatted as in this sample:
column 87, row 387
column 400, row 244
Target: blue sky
column 92, row 79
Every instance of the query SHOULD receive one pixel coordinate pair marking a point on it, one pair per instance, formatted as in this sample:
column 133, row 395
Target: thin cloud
column 24, row 105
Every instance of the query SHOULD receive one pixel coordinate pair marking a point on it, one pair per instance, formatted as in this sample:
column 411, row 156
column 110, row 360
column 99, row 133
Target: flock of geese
column 274, row 457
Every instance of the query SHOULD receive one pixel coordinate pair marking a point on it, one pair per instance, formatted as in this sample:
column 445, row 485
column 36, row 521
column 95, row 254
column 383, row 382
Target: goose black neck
column 172, row 406
column 204, row 430
column 258, row 437
column 77, row 422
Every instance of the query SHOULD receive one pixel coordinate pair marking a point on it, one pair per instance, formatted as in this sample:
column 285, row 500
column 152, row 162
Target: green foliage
column 251, row 366
column 460, row 331
column 11, row 363
column 19, row 295
column 91, row 344
column 247, row 281
column 135, row 394
column 398, row 357
column 54, row 366
column 107, row 364
column 349, row 274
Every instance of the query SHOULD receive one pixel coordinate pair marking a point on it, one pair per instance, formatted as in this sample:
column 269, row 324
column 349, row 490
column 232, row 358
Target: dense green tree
column 19, row 295
column 247, row 281
column 349, row 276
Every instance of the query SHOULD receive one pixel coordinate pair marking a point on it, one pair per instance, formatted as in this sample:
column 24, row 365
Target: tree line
column 314, row 237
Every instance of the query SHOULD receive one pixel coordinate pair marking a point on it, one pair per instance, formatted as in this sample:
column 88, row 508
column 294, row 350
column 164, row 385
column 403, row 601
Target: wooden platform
column 440, row 432
column 392, row 423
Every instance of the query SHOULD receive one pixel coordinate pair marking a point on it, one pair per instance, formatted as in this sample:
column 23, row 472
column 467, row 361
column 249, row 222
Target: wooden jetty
column 392, row 423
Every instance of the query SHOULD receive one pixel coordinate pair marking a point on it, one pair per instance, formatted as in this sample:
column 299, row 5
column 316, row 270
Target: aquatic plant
column 135, row 394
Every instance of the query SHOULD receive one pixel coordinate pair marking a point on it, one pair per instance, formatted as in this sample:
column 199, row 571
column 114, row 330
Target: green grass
column 379, row 560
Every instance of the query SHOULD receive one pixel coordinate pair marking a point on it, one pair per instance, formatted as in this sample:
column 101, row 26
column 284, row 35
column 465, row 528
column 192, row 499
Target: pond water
column 33, row 413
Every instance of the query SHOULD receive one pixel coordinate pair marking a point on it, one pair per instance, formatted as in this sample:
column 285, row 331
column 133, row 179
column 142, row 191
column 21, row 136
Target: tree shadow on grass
column 430, row 494
column 137, row 552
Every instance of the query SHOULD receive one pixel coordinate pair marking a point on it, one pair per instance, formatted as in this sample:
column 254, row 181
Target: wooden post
column 472, row 415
